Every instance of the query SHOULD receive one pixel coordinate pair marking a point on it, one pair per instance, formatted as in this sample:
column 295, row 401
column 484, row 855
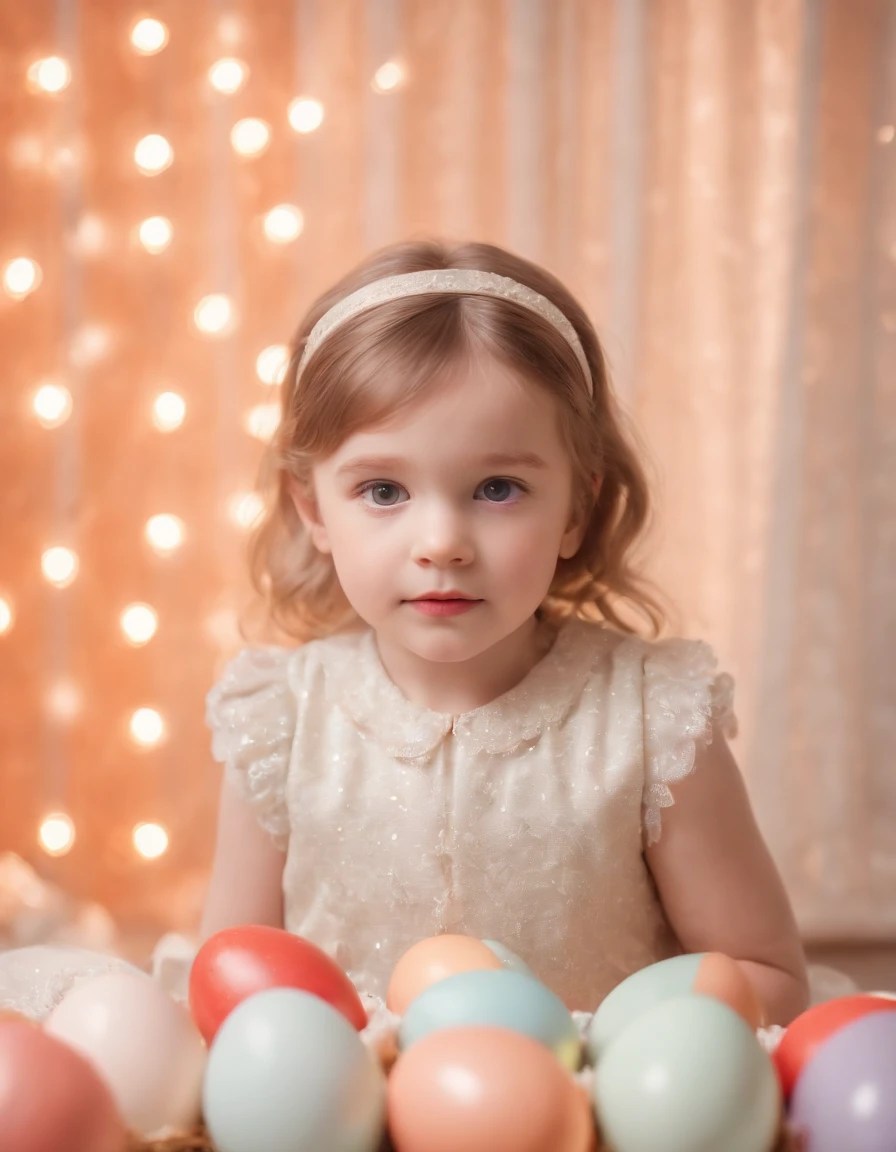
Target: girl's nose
column 442, row 540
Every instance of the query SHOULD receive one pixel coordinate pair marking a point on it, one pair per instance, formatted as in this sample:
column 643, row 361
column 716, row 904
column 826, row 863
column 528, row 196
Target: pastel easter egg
column 288, row 1073
column 845, row 1097
column 705, row 973
column 240, row 961
column 485, row 1090
column 434, row 959
column 144, row 1045
column 502, row 999
column 508, row 959
column 813, row 1028
column 688, row 1075
column 51, row 1098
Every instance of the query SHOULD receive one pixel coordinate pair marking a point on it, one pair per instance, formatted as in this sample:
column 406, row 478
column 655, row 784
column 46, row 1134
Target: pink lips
column 443, row 606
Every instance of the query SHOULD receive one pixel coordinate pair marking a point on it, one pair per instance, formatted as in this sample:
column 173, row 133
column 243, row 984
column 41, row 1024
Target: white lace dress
column 523, row 821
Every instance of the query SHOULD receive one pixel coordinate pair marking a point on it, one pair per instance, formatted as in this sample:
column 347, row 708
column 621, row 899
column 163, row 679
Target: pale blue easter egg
column 509, row 959
column 688, row 1075
column 637, row 993
column 498, row 998
column 288, row 1073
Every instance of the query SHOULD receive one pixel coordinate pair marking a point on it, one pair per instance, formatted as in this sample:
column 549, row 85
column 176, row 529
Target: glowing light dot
column 52, row 405
column 155, row 233
column 64, row 701
column 886, row 134
column 149, row 36
column 6, row 616
column 153, row 154
column 139, row 623
column 51, row 74
column 168, row 411
column 262, row 421
column 250, row 137
column 59, row 566
column 305, row 114
column 213, row 315
column 21, row 276
column 245, row 508
column 57, row 834
column 147, row 727
column 388, row 77
column 283, row 223
column 150, row 840
column 165, row 532
column 228, row 75
column 272, row 363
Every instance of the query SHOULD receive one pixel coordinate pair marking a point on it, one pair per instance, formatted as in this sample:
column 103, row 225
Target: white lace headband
column 462, row 281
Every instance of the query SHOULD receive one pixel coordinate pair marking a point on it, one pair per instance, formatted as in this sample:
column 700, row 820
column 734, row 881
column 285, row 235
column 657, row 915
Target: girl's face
column 468, row 495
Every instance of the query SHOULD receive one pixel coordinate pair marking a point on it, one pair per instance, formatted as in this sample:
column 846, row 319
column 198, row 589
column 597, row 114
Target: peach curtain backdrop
column 717, row 182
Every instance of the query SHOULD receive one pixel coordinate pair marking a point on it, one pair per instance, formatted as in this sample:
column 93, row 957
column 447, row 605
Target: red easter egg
column 238, row 962
column 805, row 1035
column 51, row 1098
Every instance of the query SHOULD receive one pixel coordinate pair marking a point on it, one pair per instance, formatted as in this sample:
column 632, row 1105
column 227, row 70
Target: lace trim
column 684, row 695
column 357, row 683
column 462, row 281
column 252, row 714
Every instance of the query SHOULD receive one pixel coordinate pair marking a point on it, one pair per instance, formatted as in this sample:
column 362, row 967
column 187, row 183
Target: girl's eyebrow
column 393, row 463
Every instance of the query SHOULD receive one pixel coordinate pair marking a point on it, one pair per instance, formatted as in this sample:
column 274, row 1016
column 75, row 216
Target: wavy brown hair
column 388, row 358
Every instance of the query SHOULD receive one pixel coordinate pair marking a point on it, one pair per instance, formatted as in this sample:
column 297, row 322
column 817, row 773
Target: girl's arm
column 720, row 888
column 247, row 875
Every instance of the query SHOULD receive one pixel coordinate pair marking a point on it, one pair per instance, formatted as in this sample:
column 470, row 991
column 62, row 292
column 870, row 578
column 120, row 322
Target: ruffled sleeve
column 251, row 712
column 684, row 696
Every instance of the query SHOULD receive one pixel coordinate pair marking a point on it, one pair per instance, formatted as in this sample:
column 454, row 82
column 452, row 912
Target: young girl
column 468, row 734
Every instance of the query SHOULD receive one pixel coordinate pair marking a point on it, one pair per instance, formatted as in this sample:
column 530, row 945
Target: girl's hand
column 720, row 888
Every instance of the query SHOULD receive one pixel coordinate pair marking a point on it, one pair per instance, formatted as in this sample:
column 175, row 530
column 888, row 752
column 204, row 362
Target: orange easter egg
column 434, row 959
column 485, row 1090
column 723, row 978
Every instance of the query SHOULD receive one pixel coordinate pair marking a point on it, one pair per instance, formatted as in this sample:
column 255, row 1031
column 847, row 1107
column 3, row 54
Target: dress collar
column 358, row 684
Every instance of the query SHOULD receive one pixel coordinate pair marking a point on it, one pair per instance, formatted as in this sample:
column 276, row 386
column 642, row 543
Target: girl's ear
column 305, row 503
column 572, row 538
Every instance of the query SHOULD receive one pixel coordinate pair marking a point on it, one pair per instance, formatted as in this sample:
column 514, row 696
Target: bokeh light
column 214, row 315
column 228, row 75
column 147, row 727
column 168, row 411
column 155, row 233
column 244, row 508
column 21, row 277
column 59, row 566
column 283, row 223
column 250, row 137
column 388, row 77
column 6, row 616
column 150, row 840
column 271, row 363
column 51, row 74
column 139, row 623
column 57, row 834
column 52, row 405
column 153, row 154
column 262, row 421
column 149, row 36
column 305, row 114
column 165, row 532
column 64, row 701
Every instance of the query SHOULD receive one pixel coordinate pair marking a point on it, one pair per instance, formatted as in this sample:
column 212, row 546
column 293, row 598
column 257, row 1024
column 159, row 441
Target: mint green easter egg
column 688, row 1075
column 640, row 991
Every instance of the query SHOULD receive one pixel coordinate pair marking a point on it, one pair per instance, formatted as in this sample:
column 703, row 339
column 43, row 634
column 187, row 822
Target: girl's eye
column 499, row 491
column 383, row 493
